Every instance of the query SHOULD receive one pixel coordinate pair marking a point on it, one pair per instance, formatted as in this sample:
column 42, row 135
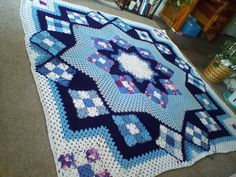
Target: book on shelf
column 137, row 5
column 148, row 9
column 154, row 6
column 144, row 7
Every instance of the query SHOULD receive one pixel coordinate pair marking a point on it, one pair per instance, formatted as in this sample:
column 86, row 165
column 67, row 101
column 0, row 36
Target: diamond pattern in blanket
column 88, row 103
column 57, row 71
column 119, row 98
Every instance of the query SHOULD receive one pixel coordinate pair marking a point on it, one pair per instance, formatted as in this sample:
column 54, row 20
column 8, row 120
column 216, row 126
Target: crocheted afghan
column 119, row 97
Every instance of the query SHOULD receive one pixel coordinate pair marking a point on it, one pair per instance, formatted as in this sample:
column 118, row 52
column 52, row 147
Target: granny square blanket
column 119, row 97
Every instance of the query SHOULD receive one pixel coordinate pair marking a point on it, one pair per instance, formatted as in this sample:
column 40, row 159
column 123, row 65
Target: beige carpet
column 24, row 145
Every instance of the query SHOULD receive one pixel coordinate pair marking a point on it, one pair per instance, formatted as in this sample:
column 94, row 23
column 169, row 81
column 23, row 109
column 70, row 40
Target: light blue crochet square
column 206, row 102
column 132, row 130
column 57, row 71
column 47, row 42
column 58, row 25
column 88, row 104
column 97, row 17
column 121, row 24
column 77, row 18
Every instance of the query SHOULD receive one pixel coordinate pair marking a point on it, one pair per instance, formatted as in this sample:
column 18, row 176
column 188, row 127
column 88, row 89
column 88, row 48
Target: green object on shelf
column 226, row 96
column 178, row 3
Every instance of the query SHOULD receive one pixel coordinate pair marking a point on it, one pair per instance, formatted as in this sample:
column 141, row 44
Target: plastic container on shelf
column 191, row 27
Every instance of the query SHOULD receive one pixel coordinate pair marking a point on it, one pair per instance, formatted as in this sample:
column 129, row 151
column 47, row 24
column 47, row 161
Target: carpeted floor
column 24, row 145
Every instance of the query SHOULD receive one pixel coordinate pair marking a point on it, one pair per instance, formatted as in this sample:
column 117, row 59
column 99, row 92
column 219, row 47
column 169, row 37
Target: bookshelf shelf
column 145, row 8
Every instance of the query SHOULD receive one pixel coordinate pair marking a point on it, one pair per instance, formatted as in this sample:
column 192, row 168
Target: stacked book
column 144, row 7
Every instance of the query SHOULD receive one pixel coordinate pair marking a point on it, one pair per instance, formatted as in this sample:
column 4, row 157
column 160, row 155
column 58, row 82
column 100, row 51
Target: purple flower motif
column 234, row 126
column 92, row 155
column 121, row 42
column 103, row 173
column 125, row 84
column 102, row 44
column 147, row 94
column 129, row 86
column 170, row 87
column 101, row 61
column 156, row 95
column 67, row 161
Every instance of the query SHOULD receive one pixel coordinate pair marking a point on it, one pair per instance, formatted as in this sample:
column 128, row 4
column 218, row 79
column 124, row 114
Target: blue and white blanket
column 119, row 97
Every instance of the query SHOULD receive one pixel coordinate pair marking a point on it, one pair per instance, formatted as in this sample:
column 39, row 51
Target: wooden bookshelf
column 174, row 16
column 145, row 8
column 212, row 15
column 123, row 3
